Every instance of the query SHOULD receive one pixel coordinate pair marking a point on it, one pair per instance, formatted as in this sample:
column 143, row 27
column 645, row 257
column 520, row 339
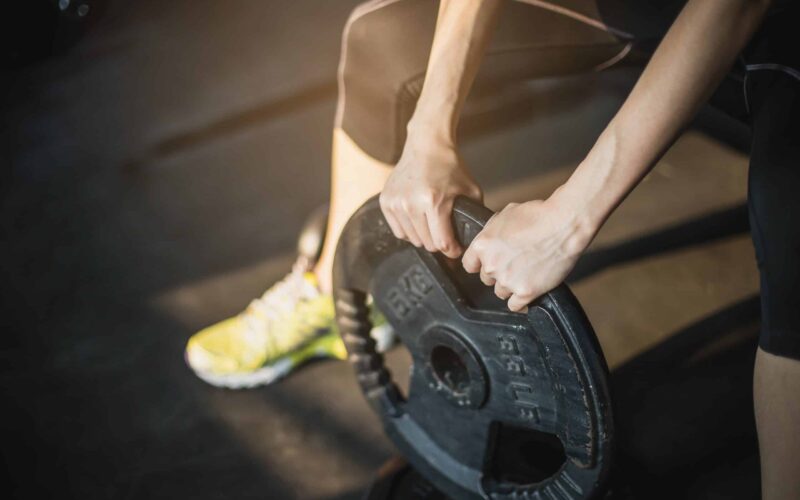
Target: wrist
column 429, row 149
column 576, row 221
column 586, row 199
column 595, row 188
column 430, row 130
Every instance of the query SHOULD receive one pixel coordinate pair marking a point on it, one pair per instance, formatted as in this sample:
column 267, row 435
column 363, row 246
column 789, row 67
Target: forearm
column 691, row 61
column 463, row 29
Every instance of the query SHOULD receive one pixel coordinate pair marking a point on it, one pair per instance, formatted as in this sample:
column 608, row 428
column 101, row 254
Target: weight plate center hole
column 450, row 370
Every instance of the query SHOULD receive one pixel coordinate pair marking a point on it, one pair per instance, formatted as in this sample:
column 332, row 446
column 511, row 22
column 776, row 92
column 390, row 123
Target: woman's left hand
column 526, row 250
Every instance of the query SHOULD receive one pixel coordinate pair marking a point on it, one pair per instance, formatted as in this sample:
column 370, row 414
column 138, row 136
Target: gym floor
column 154, row 180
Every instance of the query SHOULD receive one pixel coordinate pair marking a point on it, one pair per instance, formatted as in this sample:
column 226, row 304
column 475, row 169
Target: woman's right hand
column 418, row 197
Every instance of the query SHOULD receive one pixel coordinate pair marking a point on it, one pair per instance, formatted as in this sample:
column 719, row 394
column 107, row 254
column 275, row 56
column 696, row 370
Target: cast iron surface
column 503, row 380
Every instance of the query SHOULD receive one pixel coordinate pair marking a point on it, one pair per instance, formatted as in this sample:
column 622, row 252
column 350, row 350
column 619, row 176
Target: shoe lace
column 275, row 305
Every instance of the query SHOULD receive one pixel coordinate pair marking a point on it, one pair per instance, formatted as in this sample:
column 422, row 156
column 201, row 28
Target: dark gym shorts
column 385, row 49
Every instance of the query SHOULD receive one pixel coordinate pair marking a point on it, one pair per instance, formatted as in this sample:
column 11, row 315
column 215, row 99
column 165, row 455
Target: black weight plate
column 500, row 404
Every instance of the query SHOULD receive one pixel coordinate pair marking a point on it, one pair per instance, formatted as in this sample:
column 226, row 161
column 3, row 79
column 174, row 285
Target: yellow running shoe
column 288, row 325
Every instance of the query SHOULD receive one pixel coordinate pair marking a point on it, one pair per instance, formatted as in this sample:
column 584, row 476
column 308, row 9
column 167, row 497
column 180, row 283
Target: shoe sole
column 383, row 335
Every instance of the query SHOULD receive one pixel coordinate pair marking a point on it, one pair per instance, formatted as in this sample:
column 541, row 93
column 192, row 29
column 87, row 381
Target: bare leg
column 777, row 407
column 355, row 177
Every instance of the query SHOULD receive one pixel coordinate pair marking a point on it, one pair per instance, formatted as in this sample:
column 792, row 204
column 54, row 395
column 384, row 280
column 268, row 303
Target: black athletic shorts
column 385, row 50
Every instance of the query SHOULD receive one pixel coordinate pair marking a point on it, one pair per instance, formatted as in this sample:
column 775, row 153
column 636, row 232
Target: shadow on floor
column 684, row 411
column 704, row 229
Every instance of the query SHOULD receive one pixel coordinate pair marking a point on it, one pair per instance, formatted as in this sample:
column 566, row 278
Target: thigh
column 385, row 51
column 774, row 202
column 537, row 38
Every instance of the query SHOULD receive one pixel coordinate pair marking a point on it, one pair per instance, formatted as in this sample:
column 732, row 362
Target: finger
column 486, row 279
column 390, row 217
column 519, row 303
column 397, row 230
column 441, row 224
column 470, row 260
column 502, row 292
column 408, row 228
column 420, row 222
column 476, row 193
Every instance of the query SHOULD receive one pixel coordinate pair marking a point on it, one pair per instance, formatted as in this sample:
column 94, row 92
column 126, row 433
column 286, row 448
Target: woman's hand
column 418, row 197
column 526, row 250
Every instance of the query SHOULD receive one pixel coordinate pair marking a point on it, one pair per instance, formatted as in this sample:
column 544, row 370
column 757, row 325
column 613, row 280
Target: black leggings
column 385, row 50
column 774, row 203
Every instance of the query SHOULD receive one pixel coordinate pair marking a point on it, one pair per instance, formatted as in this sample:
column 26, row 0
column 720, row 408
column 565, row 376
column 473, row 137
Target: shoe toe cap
column 217, row 350
column 202, row 360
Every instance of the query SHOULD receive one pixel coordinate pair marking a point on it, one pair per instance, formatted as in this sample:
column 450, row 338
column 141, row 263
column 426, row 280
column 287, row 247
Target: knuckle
column 470, row 264
column 519, row 300
column 451, row 250
column 524, row 291
column 426, row 199
column 479, row 244
column 443, row 207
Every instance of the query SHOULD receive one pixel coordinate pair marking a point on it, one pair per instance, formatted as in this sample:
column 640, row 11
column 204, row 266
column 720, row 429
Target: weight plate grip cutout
column 500, row 405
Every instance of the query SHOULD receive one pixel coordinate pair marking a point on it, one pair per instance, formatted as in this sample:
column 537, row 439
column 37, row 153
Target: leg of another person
column 774, row 199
